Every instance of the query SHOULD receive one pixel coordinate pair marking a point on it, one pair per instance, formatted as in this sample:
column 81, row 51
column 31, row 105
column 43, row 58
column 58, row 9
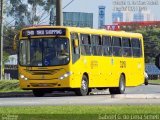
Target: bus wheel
column 146, row 82
column 121, row 88
column 84, row 90
column 38, row 93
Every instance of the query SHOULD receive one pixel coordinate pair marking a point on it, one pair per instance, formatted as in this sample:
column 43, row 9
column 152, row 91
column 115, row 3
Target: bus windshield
column 44, row 52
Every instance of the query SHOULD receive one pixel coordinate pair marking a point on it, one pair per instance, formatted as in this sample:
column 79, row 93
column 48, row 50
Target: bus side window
column 136, row 47
column 116, row 46
column 96, row 45
column 126, row 47
column 75, row 50
column 86, row 44
column 107, row 48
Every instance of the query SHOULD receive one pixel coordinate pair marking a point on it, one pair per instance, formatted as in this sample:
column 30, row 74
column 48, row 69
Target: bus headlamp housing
column 23, row 77
column 65, row 75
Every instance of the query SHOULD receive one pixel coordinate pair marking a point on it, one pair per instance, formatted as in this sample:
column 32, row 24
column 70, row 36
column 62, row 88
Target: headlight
column 61, row 78
column 65, row 75
column 23, row 77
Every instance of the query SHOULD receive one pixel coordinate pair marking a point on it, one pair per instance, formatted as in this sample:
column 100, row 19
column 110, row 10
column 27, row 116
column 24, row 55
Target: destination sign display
column 44, row 32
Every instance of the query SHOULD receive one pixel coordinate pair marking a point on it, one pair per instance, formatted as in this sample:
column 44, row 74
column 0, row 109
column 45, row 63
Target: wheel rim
column 84, row 84
column 122, row 84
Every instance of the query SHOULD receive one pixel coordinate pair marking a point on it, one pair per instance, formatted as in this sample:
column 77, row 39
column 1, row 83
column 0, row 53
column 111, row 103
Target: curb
column 16, row 94
column 136, row 96
column 153, row 83
column 30, row 94
column 116, row 96
column 128, row 96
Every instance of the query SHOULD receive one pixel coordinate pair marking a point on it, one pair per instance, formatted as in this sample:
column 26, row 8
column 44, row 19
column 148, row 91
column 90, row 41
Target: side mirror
column 15, row 42
column 76, row 43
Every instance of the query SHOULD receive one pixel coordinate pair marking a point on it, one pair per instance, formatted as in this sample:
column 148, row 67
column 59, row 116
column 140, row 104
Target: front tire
column 83, row 90
column 121, row 88
column 38, row 93
column 146, row 81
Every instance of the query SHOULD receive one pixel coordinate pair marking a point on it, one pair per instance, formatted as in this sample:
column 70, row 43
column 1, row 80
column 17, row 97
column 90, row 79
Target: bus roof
column 90, row 31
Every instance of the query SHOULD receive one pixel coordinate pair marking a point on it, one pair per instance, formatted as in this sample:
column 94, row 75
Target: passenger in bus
column 63, row 52
column 125, row 54
column 60, row 55
column 36, row 57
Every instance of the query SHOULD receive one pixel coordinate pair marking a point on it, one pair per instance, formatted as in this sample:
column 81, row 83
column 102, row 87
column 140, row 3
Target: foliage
column 5, row 56
column 154, row 81
column 151, row 42
column 10, row 86
column 8, row 36
column 20, row 11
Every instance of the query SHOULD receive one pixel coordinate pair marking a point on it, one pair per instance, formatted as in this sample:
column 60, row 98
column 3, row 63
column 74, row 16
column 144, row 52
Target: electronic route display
column 44, row 32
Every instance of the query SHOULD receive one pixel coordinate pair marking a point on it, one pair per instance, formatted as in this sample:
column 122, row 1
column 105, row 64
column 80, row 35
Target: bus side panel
column 137, row 72
column 117, row 70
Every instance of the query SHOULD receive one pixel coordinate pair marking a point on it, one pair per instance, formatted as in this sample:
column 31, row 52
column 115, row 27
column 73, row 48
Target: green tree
column 8, row 36
column 19, row 10
column 152, row 43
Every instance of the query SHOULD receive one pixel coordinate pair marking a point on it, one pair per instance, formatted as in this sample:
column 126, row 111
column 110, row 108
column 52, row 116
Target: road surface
column 134, row 96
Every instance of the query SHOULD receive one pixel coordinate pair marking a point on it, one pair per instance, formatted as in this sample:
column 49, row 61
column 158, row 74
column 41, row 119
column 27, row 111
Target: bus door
column 76, row 64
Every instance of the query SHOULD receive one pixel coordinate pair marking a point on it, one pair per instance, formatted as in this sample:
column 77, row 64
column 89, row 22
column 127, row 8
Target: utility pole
column 34, row 10
column 52, row 14
column 1, row 39
column 59, row 13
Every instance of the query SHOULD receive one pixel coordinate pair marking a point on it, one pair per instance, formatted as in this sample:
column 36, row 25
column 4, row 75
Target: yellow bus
column 79, row 59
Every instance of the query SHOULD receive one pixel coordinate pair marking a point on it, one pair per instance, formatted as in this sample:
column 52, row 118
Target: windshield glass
column 44, row 52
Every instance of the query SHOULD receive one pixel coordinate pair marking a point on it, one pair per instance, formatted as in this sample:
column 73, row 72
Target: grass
column 154, row 81
column 81, row 112
column 10, row 86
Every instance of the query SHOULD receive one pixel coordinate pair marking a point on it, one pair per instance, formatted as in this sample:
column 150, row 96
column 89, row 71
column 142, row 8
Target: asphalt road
column 144, row 89
column 134, row 96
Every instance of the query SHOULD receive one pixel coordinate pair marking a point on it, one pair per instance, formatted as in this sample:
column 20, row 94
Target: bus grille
column 43, row 72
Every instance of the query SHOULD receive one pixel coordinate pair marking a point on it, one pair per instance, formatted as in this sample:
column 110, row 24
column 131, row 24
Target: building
column 128, row 16
column 11, row 68
column 101, row 18
column 12, row 60
column 78, row 19
column 139, row 16
column 148, row 16
column 117, row 16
